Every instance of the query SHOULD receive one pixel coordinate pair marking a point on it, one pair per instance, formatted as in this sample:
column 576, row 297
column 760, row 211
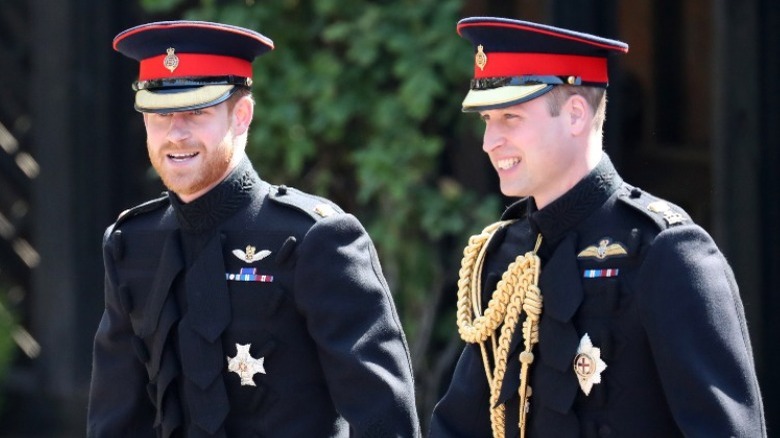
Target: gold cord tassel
column 517, row 291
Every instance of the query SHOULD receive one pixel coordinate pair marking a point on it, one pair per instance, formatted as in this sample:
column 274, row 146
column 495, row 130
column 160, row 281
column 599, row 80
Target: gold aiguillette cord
column 517, row 291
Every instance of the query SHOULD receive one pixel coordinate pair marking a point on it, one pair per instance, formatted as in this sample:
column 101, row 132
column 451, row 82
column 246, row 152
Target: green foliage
column 7, row 327
column 160, row 5
column 359, row 102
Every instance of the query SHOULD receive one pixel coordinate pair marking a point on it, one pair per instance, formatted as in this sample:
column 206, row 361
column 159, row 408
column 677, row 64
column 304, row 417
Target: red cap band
column 192, row 65
column 588, row 68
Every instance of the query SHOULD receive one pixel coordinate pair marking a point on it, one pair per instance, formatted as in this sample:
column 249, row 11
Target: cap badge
column 171, row 61
column 588, row 365
column 603, row 251
column 480, row 59
column 251, row 255
column 245, row 365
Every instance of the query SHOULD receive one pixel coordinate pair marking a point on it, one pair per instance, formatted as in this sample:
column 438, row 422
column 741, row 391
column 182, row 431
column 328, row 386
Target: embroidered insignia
column 600, row 273
column 249, row 274
column 171, row 61
column 251, row 255
column 480, row 59
column 603, row 251
column 324, row 210
column 245, row 365
column 588, row 365
column 670, row 216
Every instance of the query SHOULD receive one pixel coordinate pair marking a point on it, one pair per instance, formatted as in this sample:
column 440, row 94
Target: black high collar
column 219, row 203
column 558, row 217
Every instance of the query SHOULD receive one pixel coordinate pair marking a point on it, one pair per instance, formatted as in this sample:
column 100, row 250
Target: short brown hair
column 595, row 96
column 237, row 95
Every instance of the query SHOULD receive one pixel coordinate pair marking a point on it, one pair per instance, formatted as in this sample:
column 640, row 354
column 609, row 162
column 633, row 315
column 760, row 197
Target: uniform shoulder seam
column 316, row 207
column 661, row 212
column 143, row 208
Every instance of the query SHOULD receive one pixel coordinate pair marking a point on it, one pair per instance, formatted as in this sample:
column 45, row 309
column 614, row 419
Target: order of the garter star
column 588, row 364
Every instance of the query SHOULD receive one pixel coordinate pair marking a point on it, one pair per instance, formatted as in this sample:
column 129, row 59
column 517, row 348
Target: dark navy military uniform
column 286, row 273
column 666, row 316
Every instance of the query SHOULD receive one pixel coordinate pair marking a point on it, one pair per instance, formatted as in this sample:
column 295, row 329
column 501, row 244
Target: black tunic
column 182, row 296
column 665, row 312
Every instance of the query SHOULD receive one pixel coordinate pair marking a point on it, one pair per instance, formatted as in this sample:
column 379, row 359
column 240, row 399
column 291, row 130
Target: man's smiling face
column 530, row 149
column 192, row 151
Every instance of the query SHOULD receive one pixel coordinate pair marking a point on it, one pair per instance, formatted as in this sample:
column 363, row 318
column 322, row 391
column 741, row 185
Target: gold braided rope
column 516, row 291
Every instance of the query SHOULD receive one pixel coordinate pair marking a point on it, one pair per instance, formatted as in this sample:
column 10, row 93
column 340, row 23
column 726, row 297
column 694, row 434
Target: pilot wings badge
column 605, row 250
column 251, row 254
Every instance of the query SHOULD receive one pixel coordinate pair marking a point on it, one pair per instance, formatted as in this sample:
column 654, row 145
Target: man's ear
column 579, row 114
column 243, row 111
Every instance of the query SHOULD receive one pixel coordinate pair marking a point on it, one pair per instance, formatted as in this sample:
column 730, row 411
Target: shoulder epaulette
column 314, row 206
column 663, row 213
column 146, row 207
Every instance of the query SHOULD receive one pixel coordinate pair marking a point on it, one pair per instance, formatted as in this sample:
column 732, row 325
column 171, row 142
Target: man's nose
column 493, row 138
column 177, row 130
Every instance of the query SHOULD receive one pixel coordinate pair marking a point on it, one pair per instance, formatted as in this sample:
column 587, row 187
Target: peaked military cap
column 187, row 65
column 517, row 61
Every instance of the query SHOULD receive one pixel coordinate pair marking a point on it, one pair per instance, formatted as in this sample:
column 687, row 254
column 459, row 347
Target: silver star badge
column 588, row 364
column 245, row 365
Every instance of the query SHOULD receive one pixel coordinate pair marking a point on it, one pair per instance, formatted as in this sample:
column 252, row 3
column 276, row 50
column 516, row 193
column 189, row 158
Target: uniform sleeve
column 464, row 411
column 340, row 290
column 118, row 401
column 696, row 327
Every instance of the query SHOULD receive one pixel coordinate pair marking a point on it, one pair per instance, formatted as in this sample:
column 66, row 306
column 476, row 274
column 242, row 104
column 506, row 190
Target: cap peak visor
column 185, row 99
column 494, row 98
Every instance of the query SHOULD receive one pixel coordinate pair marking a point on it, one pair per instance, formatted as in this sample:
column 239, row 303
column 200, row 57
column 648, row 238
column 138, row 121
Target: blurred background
column 360, row 102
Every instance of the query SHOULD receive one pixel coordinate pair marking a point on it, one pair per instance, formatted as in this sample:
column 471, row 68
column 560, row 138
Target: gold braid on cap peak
column 517, row 291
